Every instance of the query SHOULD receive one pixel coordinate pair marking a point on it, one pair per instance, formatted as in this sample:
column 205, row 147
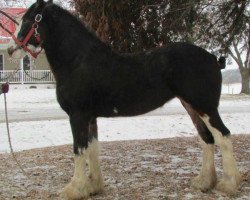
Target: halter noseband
column 33, row 31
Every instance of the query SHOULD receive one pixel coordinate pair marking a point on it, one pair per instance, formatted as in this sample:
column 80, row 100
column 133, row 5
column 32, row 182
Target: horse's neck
column 66, row 41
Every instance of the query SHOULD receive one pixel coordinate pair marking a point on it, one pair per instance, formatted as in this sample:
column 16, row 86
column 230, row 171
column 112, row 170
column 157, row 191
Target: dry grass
column 133, row 170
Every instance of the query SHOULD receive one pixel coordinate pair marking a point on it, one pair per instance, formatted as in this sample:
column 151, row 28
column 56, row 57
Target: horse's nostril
column 10, row 50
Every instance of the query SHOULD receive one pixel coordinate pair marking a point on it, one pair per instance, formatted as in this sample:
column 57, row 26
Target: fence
column 27, row 76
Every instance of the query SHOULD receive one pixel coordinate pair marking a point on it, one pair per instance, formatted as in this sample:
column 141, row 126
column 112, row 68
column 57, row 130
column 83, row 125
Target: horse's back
column 145, row 81
column 186, row 71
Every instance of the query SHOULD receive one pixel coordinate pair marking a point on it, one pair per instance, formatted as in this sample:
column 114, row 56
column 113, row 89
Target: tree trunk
column 245, row 75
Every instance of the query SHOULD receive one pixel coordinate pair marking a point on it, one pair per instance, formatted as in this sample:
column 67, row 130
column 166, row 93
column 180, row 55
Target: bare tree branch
column 235, row 58
column 238, row 55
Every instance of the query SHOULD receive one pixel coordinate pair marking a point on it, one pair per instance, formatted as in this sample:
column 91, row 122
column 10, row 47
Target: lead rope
column 9, row 139
column 42, row 195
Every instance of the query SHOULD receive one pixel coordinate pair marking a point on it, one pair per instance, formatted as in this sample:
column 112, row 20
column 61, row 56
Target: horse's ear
column 50, row 1
column 39, row 2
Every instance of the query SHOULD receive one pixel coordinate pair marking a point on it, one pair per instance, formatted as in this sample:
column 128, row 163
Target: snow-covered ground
column 37, row 120
column 234, row 88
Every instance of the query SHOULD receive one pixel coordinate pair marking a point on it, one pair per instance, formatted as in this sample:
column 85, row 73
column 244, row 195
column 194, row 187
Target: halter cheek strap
column 33, row 31
column 23, row 44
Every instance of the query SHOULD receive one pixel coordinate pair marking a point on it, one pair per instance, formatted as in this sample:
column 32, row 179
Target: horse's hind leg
column 207, row 176
column 231, row 176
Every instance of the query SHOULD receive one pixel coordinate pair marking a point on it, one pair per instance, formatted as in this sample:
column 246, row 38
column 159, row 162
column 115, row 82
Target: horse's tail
column 222, row 62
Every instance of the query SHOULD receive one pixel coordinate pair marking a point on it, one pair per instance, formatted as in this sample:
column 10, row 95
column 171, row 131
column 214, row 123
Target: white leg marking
column 231, row 176
column 79, row 186
column 85, row 181
column 207, row 177
column 95, row 174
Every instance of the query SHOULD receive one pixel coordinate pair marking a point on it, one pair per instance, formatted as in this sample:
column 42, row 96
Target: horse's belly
column 141, row 104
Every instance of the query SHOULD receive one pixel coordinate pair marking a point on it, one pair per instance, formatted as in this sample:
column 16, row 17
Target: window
column 1, row 62
column 26, row 63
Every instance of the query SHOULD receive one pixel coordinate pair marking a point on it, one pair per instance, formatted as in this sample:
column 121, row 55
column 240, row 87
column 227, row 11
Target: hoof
column 97, row 184
column 77, row 190
column 203, row 183
column 74, row 191
column 229, row 185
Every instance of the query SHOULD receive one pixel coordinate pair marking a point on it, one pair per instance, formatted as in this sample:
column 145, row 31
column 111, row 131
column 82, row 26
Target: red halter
column 33, row 30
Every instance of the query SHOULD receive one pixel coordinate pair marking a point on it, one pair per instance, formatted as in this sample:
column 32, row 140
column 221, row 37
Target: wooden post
column 21, row 66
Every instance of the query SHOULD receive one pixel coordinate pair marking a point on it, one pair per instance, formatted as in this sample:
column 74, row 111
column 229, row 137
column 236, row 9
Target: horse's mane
column 69, row 20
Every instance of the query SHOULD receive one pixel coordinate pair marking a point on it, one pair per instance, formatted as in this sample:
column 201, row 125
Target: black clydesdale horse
column 94, row 81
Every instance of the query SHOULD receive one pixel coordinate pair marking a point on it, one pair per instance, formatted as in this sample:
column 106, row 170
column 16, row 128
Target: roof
column 14, row 13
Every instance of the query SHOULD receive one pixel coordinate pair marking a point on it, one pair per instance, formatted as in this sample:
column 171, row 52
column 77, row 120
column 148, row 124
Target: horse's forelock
column 29, row 12
column 33, row 10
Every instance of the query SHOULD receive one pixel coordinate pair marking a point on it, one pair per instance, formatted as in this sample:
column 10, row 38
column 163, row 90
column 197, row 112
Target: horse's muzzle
column 12, row 49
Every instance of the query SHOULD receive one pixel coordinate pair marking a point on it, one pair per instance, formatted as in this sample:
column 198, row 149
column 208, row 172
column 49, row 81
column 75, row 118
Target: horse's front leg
column 86, row 172
column 95, row 174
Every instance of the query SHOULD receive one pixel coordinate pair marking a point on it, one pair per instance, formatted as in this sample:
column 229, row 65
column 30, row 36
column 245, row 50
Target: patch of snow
column 188, row 196
column 169, row 121
column 193, row 150
column 174, row 195
column 175, row 159
column 233, row 88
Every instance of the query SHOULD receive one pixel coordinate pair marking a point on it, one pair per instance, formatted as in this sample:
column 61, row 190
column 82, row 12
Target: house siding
column 40, row 63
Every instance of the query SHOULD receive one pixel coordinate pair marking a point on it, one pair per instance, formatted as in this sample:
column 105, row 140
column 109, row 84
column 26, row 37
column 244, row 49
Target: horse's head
column 29, row 34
